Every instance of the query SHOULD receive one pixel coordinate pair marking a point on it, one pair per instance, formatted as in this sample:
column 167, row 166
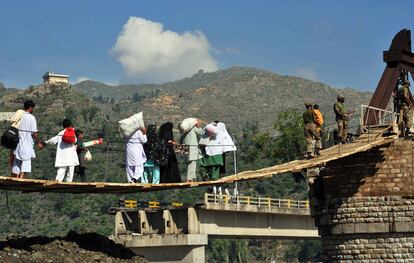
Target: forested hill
column 235, row 96
column 95, row 89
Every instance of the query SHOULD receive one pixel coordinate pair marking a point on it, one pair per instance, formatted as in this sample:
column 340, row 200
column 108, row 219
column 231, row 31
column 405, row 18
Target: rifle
column 349, row 113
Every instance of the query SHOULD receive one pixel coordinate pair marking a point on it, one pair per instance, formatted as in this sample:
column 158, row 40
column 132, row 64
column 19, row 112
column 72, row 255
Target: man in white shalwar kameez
column 66, row 156
column 24, row 152
column 135, row 156
column 191, row 138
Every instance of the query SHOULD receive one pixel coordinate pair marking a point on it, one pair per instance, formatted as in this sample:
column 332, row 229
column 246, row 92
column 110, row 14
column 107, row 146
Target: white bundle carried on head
column 188, row 124
column 216, row 139
column 130, row 125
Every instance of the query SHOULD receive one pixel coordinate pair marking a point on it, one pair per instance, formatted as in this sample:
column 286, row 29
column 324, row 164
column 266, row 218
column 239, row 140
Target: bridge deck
column 365, row 142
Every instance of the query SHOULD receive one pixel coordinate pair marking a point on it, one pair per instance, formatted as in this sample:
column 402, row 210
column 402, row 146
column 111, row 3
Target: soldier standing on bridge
column 342, row 118
column 404, row 107
column 311, row 133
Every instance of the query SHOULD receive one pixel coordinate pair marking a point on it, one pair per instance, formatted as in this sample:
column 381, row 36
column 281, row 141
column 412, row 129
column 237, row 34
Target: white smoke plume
column 148, row 53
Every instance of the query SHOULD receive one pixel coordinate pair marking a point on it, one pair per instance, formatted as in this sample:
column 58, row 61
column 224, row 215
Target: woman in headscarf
column 155, row 152
column 169, row 172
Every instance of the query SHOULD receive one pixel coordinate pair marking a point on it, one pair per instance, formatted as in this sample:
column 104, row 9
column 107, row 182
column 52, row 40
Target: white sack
column 188, row 124
column 130, row 125
column 17, row 118
column 87, row 156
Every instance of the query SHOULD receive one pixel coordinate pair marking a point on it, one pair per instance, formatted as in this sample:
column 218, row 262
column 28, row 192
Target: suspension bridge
column 374, row 137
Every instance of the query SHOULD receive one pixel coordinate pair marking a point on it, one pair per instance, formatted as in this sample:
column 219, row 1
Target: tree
column 136, row 97
column 285, row 143
column 239, row 251
column 289, row 141
column 218, row 250
column 228, row 250
column 254, row 148
column 71, row 113
column 89, row 114
column 309, row 251
column 117, row 108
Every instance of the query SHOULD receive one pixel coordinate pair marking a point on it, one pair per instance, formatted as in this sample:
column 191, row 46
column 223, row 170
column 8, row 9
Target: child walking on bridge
column 66, row 156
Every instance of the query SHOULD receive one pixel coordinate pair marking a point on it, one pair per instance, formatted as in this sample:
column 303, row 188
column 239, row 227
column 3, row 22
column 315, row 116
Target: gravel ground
column 74, row 248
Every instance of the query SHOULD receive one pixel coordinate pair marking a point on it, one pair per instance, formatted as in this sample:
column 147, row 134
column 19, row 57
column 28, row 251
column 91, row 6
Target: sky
column 335, row 42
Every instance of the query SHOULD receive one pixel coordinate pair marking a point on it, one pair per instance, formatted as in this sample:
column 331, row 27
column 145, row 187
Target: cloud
column 307, row 73
column 149, row 53
column 80, row 79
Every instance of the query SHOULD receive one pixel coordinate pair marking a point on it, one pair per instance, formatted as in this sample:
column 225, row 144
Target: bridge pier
column 185, row 248
column 363, row 205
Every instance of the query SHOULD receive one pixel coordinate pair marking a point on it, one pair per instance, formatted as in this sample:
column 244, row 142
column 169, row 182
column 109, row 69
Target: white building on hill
column 53, row 78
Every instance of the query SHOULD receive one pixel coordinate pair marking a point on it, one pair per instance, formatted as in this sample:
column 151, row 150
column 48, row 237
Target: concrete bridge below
column 180, row 234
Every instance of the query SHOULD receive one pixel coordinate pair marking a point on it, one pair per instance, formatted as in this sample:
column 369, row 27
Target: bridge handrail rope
column 112, row 141
column 326, row 125
column 252, row 200
column 328, row 155
column 122, row 141
column 255, row 201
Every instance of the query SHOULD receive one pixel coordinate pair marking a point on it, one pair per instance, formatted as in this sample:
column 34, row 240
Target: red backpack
column 69, row 135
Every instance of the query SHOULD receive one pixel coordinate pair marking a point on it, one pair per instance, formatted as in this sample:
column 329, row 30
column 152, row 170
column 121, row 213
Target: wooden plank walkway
column 364, row 143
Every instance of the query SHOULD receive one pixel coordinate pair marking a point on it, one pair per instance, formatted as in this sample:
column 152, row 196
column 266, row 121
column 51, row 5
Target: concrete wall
column 53, row 80
column 364, row 205
column 255, row 225
column 166, row 248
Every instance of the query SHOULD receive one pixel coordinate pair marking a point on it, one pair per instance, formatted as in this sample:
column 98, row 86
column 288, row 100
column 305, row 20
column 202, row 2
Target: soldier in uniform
column 342, row 118
column 311, row 133
column 405, row 107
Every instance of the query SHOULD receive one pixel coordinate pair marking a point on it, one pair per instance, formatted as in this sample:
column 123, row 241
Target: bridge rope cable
column 2, row 129
column 116, row 140
column 238, row 117
column 109, row 148
column 233, row 116
column 103, row 130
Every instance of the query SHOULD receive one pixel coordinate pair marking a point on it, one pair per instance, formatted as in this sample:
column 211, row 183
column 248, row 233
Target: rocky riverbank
column 73, row 248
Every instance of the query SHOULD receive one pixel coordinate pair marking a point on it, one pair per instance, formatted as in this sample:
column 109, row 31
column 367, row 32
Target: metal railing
column 379, row 117
column 130, row 203
column 255, row 201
